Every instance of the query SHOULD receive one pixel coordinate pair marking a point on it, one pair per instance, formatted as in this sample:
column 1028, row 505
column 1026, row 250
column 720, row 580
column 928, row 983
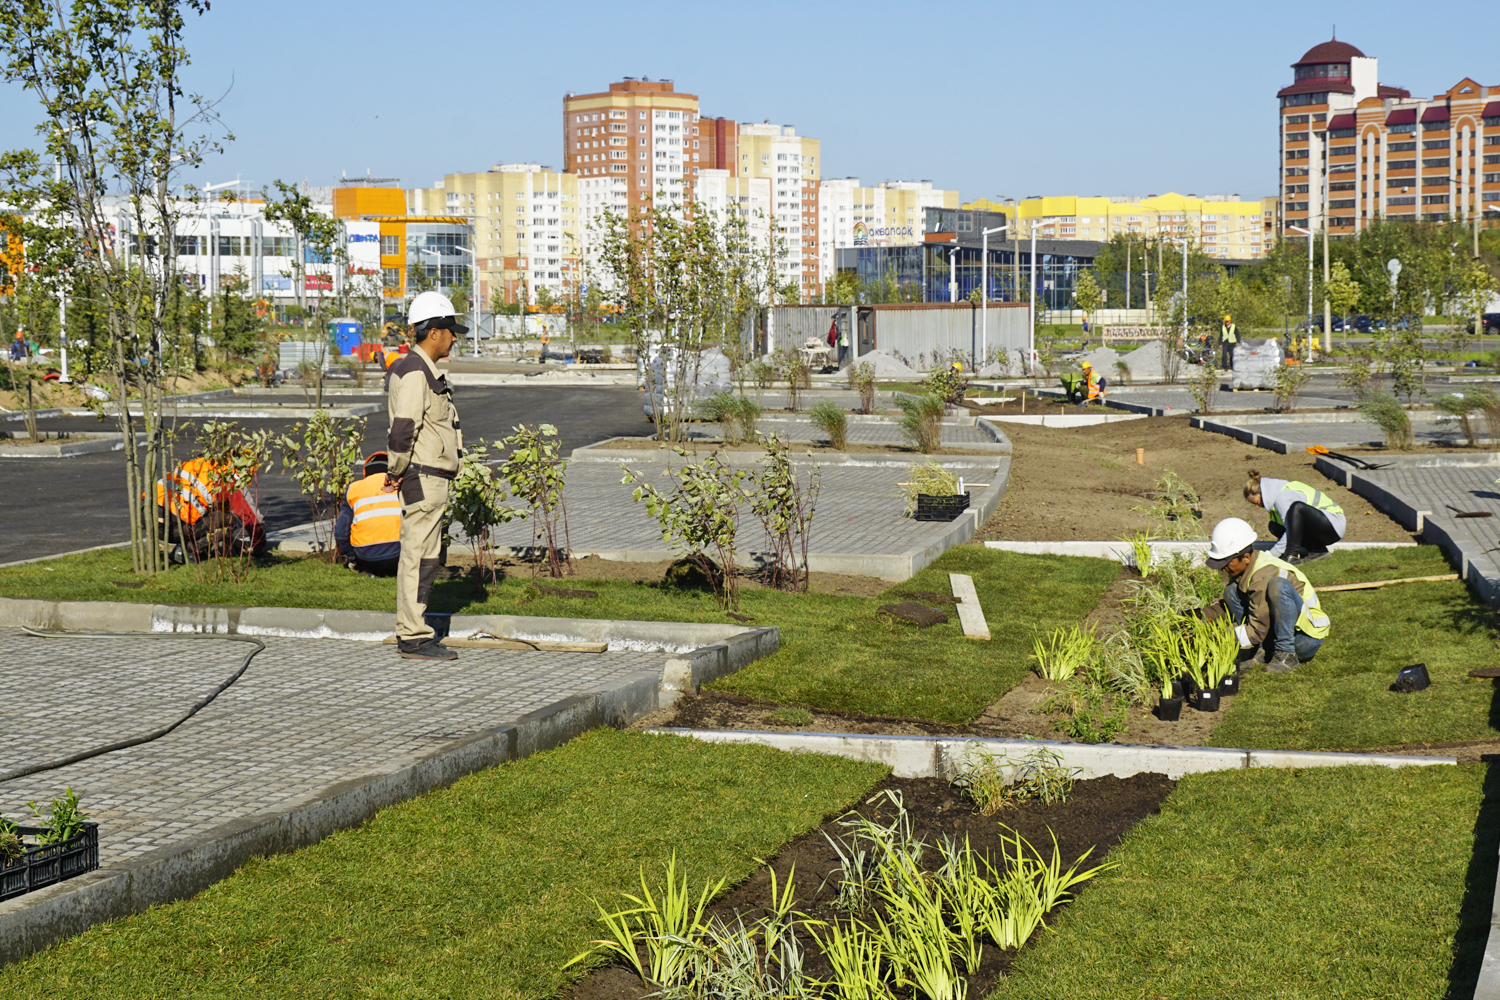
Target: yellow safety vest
column 377, row 515
column 1315, row 499
column 1313, row 620
column 1229, row 334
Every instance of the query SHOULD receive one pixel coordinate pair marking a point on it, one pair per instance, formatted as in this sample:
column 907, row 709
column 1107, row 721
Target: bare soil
column 1081, row 483
column 1098, row 815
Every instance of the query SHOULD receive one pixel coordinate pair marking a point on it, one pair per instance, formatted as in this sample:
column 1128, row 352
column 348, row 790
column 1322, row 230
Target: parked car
column 1365, row 323
column 1491, row 324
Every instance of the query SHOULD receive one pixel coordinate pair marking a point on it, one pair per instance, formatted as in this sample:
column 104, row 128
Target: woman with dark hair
column 1304, row 520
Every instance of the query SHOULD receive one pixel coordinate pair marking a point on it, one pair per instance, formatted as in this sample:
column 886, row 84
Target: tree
column 317, row 235
column 1343, row 293
column 118, row 124
column 1087, row 294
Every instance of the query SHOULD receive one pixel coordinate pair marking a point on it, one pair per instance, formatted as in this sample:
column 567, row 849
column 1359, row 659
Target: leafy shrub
column 829, row 417
column 1287, row 383
column 862, row 380
column 947, row 383
column 922, row 423
column 1175, row 512
column 1386, row 412
column 930, row 479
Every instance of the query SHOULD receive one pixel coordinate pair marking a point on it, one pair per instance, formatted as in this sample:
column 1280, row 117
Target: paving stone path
column 307, row 715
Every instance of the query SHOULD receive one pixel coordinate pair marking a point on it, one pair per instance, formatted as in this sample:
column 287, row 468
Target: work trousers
column 1226, row 349
column 423, row 499
column 1286, row 607
column 1307, row 530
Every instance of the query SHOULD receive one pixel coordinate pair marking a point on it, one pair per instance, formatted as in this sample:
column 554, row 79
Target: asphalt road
column 64, row 504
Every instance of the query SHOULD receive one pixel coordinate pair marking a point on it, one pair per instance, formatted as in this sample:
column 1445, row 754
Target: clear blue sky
column 994, row 100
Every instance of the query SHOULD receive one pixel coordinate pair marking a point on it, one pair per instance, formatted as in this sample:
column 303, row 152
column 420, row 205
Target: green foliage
column 862, row 381
column 321, row 455
column 785, row 509
column 235, row 456
column 830, row 418
column 1064, row 652
column 1287, row 383
column 1386, row 412
column 998, row 781
column 1203, row 383
column 62, row 820
column 931, row 479
column 476, row 503
column 698, row 515
column 946, row 382
column 791, row 367
column 535, row 471
column 1475, row 399
column 922, row 421
column 1175, row 512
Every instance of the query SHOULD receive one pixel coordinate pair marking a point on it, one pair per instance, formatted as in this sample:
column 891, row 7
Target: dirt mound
column 889, row 368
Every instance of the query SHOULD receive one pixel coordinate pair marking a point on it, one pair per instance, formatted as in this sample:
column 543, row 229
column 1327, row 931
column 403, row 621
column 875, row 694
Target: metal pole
column 953, row 274
column 1327, row 306
column 1031, row 304
column 984, row 296
column 1184, row 293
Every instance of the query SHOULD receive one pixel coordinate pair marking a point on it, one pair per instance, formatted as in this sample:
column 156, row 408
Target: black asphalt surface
column 52, row 505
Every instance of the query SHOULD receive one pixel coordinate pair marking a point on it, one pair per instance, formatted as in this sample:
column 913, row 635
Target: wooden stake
column 1140, row 456
column 1376, row 584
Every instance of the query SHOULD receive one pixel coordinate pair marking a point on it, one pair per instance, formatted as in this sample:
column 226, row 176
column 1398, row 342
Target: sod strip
column 1298, row 885
column 481, row 889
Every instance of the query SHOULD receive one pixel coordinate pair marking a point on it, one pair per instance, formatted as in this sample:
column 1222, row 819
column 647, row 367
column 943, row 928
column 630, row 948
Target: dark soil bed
column 1098, row 814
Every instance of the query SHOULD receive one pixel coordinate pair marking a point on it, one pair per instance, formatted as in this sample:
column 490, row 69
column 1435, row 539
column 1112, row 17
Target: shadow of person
column 1475, row 913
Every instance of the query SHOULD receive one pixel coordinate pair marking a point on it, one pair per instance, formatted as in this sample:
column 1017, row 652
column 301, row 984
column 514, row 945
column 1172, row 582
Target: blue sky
column 994, row 100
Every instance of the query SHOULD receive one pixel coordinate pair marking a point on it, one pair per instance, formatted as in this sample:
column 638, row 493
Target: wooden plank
column 970, row 614
column 1376, row 584
column 537, row 645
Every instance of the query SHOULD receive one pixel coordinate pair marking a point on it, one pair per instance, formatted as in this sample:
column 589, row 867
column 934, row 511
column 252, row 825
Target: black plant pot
column 1208, row 700
column 1169, row 709
column 1177, row 688
column 1188, row 683
column 931, row 508
column 1229, row 686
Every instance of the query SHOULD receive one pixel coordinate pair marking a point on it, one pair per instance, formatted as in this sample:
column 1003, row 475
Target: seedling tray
column 42, row 866
column 931, row 508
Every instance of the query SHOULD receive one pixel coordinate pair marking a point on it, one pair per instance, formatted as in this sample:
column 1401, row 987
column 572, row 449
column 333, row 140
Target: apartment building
column 789, row 162
column 525, row 222
column 721, row 193
column 1225, row 227
column 1352, row 149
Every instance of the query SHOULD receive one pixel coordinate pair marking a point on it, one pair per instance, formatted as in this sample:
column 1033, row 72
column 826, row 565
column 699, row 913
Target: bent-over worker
column 1274, row 608
column 1091, row 386
column 368, row 528
column 1304, row 519
column 425, row 445
column 209, row 512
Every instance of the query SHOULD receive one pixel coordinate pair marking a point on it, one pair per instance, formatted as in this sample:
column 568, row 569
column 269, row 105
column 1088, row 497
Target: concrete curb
column 598, row 453
column 67, row 449
column 1145, row 409
column 1065, row 419
column 1122, row 552
column 943, row 756
column 32, row 922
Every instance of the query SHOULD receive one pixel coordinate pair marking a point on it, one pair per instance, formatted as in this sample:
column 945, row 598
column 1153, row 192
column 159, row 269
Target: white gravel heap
column 887, row 367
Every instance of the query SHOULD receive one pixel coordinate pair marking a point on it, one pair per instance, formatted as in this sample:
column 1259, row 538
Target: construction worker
column 1304, row 520
column 209, row 512
column 1089, row 387
column 368, row 529
column 1229, row 335
column 425, row 445
column 1274, row 608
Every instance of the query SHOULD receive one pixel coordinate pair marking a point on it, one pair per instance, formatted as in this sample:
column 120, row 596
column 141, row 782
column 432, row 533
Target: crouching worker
column 1274, row 608
column 210, row 512
column 1304, row 520
column 368, row 528
column 1088, row 386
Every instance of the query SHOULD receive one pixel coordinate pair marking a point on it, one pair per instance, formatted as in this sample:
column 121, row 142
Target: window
column 1341, row 133
column 230, row 246
column 1492, row 178
column 390, row 277
column 1296, row 119
column 1296, row 154
column 1434, row 143
column 1341, row 151
column 1296, row 137
column 1400, row 147
column 390, row 244
column 1431, row 182
column 1436, row 161
column 1434, row 126
column 1302, row 100
column 1434, row 199
column 1401, row 165
column 286, row 246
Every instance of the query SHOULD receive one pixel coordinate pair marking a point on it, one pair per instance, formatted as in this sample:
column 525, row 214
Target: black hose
column 202, row 703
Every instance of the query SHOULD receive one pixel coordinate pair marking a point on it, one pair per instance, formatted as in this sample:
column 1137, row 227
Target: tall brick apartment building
column 1380, row 151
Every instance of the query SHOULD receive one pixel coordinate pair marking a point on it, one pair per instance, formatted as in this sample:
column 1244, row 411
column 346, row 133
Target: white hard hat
column 430, row 306
column 1231, row 537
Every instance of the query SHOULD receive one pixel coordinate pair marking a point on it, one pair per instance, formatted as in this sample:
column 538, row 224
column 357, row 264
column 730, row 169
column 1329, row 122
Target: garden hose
column 133, row 741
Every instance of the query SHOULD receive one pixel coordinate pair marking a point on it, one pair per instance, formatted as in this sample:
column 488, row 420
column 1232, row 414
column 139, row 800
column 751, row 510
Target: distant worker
column 1304, row 520
column 1274, row 609
column 425, row 445
column 1088, row 387
column 18, row 347
column 1229, row 335
column 210, row 512
column 368, row 528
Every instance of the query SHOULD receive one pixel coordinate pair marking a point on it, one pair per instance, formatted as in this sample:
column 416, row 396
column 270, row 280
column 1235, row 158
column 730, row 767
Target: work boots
column 1282, row 663
column 425, row 649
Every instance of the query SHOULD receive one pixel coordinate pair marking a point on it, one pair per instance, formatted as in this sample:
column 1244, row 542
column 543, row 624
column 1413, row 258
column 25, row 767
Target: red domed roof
column 1329, row 52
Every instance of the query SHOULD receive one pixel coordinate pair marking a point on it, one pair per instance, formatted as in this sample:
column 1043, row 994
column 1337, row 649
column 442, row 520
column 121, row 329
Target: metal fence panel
column 927, row 335
column 790, row 327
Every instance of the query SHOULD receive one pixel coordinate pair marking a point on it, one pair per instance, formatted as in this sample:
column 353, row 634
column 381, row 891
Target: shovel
column 1469, row 513
column 1317, row 449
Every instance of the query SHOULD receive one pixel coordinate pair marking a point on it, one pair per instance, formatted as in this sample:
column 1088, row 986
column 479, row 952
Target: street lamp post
column 953, row 272
column 1309, row 233
column 1031, row 307
column 984, row 292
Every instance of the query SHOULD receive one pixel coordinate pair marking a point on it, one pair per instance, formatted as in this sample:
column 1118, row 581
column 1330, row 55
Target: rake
column 1317, row 449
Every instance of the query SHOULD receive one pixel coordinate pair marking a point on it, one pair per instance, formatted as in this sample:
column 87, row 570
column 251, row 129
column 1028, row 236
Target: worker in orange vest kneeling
column 368, row 528
column 210, row 513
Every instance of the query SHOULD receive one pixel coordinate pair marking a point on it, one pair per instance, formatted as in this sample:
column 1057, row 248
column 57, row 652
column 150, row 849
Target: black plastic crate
column 42, row 866
column 931, row 508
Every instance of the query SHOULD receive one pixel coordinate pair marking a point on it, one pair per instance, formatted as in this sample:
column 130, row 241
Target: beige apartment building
column 1224, row 226
column 526, row 223
column 890, row 213
column 790, row 163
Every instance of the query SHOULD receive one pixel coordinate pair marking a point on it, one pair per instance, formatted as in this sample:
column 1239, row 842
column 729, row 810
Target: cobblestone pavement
column 306, row 715
column 866, row 432
column 858, row 512
column 1335, row 434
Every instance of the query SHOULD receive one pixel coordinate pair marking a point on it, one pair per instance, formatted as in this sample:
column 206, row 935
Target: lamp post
column 984, row 291
column 1031, row 307
column 1309, row 233
column 953, row 271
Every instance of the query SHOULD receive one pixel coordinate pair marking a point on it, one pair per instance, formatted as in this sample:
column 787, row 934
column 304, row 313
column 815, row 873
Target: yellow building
column 355, row 201
column 790, row 163
column 528, row 226
column 1224, row 227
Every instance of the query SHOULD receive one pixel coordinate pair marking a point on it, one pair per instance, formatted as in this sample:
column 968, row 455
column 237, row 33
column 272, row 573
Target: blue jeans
column 1286, row 607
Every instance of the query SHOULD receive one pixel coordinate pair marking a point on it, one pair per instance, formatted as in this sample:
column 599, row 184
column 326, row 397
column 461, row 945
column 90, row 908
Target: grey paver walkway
column 864, row 432
column 307, row 715
column 1426, row 429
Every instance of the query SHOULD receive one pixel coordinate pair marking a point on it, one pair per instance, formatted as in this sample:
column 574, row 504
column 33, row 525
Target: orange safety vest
column 377, row 515
column 1091, row 381
column 197, row 486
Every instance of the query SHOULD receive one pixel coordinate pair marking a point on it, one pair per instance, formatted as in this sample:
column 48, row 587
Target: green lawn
column 481, row 889
column 837, row 652
column 1341, row 700
column 1316, row 884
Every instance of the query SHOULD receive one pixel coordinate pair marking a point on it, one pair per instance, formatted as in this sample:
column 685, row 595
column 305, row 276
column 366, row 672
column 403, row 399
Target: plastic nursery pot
column 1177, row 688
column 1208, row 700
column 1230, row 685
column 1169, row 709
column 1188, row 685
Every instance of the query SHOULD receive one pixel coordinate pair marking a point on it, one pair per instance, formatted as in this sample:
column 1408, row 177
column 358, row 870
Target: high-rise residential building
column 889, row 214
column 1224, row 226
column 1352, row 149
column 722, row 193
column 776, row 153
column 527, row 226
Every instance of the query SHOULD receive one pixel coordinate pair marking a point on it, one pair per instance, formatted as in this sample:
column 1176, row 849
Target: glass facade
column 435, row 248
column 926, row 269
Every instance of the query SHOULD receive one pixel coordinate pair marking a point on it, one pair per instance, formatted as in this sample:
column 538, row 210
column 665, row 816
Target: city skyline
column 878, row 96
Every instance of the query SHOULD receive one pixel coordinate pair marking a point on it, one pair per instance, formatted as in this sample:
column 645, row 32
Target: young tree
column 1086, row 294
column 118, row 125
column 317, row 235
column 1343, row 293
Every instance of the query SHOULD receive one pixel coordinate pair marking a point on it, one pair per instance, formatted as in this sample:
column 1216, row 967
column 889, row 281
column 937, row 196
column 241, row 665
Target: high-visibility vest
column 377, row 515
column 197, row 487
column 1313, row 620
column 1314, row 498
column 1229, row 333
column 1092, row 383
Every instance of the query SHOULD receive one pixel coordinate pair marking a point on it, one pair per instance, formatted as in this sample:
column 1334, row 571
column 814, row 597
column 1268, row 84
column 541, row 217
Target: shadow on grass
column 1479, row 884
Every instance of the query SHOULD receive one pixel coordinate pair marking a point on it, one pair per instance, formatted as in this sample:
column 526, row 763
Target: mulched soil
column 1098, row 814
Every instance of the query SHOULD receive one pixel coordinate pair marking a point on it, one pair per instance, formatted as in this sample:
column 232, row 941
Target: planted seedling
column 11, row 846
column 996, row 780
column 1064, row 652
column 62, row 821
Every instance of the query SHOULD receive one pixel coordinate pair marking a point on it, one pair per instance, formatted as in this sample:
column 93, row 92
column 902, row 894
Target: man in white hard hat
column 425, row 445
column 1273, row 606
